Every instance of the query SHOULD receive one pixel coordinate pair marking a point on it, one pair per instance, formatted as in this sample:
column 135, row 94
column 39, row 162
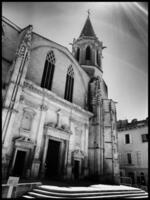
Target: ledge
column 55, row 98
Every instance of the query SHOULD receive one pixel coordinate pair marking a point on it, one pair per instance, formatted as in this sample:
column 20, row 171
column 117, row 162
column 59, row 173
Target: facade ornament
column 43, row 107
column 22, row 98
column 26, row 43
column 78, row 154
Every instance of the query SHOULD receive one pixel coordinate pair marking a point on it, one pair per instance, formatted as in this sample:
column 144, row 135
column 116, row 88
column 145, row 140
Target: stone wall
column 40, row 48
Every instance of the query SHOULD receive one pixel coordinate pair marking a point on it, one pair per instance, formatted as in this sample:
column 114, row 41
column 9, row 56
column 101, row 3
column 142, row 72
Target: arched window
column 48, row 71
column 88, row 53
column 69, row 84
column 98, row 58
column 78, row 54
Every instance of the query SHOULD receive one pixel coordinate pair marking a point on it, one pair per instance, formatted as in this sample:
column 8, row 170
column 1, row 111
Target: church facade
column 57, row 119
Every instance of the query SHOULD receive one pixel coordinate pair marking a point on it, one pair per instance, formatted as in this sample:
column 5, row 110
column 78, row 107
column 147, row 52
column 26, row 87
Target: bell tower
column 103, row 159
column 87, row 50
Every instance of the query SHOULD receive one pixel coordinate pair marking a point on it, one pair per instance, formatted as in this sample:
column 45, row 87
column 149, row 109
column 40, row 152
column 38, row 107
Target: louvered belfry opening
column 88, row 53
column 69, row 84
column 78, row 54
column 48, row 72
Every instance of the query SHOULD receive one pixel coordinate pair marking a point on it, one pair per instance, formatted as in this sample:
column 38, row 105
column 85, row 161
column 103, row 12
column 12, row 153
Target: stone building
column 133, row 150
column 57, row 120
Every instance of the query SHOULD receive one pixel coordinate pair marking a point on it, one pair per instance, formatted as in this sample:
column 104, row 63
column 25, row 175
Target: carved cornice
column 26, row 42
column 78, row 154
column 53, row 97
column 32, row 104
column 52, row 125
column 24, row 141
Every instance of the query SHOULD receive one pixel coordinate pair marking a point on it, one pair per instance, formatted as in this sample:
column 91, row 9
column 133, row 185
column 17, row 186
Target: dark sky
column 122, row 27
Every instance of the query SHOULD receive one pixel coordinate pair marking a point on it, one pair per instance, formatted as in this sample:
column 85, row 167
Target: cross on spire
column 88, row 11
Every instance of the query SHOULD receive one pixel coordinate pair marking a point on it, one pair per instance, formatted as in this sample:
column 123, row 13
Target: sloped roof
column 88, row 29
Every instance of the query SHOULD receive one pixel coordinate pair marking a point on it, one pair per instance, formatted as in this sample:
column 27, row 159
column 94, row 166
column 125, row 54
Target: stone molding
column 52, row 125
column 25, row 43
column 53, row 97
column 78, row 154
column 24, row 142
column 29, row 103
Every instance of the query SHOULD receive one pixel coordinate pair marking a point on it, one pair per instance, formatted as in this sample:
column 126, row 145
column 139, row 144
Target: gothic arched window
column 69, row 84
column 48, row 71
column 88, row 53
column 78, row 54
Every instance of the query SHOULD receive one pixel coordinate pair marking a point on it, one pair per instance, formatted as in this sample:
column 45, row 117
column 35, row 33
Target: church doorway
column 19, row 163
column 76, row 169
column 52, row 159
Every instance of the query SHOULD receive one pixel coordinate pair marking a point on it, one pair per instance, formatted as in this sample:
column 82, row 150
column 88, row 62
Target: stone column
column 46, row 140
column 66, row 158
column 15, row 87
column 39, row 135
column 86, row 150
column 97, row 143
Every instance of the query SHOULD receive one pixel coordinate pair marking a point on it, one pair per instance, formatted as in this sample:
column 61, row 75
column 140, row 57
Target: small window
column 127, row 139
column 129, row 158
column 142, row 178
column 139, row 158
column 145, row 138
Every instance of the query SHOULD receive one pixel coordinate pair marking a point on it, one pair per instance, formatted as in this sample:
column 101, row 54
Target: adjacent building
column 57, row 119
column 133, row 150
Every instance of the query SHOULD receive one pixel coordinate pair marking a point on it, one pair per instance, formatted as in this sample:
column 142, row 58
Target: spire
column 88, row 29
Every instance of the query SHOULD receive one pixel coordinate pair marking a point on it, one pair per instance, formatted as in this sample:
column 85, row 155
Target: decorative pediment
column 63, row 127
column 78, row 154
column 50, row 124
column 24, row 141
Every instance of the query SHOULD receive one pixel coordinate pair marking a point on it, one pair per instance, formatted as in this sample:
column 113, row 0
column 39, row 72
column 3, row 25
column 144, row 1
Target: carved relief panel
column 27, row 120
column 78, row 138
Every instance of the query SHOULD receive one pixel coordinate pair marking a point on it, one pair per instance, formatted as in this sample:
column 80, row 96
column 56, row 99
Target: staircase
column 91, row 192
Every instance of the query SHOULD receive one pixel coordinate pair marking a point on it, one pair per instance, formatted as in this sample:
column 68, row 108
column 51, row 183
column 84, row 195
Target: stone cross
column 88, row 11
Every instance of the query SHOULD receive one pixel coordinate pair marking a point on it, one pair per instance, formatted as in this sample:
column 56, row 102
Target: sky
column 121, row 26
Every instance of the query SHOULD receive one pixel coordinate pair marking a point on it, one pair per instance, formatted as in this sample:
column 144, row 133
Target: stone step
column 53, row 192
column 84, row 193
column 127, row 196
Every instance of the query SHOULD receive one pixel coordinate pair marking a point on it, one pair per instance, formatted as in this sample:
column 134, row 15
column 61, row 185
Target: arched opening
column 69, row 84
column 78, row 54
column 98, row 58
column 88, row 53
column 48, row 71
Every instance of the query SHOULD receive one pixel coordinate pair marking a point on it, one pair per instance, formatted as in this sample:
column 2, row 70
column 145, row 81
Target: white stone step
column 49, row 192
column 44, row 196
column 140, row 197
column 28, row 197
column 92, row 192
column 88, row 197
